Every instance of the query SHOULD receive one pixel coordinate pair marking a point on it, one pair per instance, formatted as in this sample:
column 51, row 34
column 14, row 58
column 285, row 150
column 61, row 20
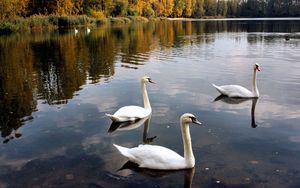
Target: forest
column 151, row 8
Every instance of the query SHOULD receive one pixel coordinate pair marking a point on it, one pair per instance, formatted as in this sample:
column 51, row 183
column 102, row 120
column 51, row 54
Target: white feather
column 239, row 91
column 162, row 158
column 132, row 113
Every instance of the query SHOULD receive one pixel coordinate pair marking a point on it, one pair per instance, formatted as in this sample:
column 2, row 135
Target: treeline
column 151, row 8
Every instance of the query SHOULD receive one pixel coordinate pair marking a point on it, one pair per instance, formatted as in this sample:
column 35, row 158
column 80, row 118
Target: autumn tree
column 78, row 7
column 158, row 8
column 168, row 7
column 188, row 8
column 179, row 6
column 147, row 9
column 12, row 8
column 64, row 7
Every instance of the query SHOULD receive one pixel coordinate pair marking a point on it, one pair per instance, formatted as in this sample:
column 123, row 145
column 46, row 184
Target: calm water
column 55, row 89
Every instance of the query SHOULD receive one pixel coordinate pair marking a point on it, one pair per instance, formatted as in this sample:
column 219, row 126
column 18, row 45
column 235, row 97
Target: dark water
column 55, row 89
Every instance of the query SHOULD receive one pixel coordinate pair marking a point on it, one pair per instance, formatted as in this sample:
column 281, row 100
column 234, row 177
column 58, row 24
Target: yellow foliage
column 12, row 8
column 98, row 14
column 64, row 7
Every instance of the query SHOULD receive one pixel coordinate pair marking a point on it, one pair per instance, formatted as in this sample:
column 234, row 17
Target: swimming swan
column 132, row 113
column 239, row 91
column 162, row 158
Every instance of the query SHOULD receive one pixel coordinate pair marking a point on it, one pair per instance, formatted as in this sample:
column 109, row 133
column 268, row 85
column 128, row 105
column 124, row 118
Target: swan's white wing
column 234, row 91
column 154, row 157
column 133, row 112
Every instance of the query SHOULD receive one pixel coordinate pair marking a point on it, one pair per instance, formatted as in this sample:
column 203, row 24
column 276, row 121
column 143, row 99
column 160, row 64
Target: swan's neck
column 254, row 87
column 145, row 96
column 187, row 145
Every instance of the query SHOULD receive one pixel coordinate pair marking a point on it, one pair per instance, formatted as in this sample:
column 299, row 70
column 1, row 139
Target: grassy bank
column 53, row 22
column 46, row 23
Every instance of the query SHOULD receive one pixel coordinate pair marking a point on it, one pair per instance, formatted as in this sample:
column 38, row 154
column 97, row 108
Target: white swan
column 132, row 113
column 239, row 91
column 88, row 30
column 75, row 30
column 161, row 158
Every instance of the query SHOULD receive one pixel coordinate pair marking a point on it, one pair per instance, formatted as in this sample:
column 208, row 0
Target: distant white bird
column 162, row 158
column 239, row 91
column 132, row 113
column 88, row 30
column 75, row 30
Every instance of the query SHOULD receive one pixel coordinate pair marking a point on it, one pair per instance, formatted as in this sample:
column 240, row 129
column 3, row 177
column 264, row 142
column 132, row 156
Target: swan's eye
column 193, row 119
column 149, row 80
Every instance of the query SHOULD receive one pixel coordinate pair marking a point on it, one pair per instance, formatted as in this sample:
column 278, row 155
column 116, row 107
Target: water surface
column 55, row 89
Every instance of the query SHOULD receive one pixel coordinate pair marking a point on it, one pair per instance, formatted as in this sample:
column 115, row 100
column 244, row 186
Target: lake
column 55, row 88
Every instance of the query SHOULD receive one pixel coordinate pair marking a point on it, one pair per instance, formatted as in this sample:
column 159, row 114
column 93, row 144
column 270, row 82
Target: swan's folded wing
column 133, row 111
column 235, row 91
column 157, row 157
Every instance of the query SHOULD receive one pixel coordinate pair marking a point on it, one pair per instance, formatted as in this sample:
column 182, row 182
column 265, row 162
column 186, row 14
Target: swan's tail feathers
column 214, row 85
column 113, row 118
column 218, row 88
column 123, row 150
column 120, row 119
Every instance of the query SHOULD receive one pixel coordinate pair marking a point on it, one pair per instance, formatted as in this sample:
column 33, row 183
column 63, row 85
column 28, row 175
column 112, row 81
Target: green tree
column 210, row 7
column 222, row 8
column 119, row 9
column 198, row 10
column 232, row 8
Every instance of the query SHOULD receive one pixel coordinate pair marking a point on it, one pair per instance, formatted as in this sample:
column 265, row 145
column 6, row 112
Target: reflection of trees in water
column 17, row 86
column 60, row 72
column 102, row 52
column 52, row 66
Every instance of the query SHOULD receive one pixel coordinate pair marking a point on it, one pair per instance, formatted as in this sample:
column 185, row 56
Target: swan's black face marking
column 257, row 66
column 194, row 120
column 150, row 81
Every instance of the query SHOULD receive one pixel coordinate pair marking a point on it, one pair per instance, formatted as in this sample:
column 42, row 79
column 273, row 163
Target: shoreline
column 232, row 19
column 54, row 22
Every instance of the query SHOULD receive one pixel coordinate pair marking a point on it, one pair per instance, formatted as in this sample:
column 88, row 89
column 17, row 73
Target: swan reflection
column 11, row 134
column 127, row 126
column 230, row 100
column 188, row 173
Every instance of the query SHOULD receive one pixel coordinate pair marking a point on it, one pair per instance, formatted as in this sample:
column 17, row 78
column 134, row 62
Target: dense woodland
column 151, row 8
